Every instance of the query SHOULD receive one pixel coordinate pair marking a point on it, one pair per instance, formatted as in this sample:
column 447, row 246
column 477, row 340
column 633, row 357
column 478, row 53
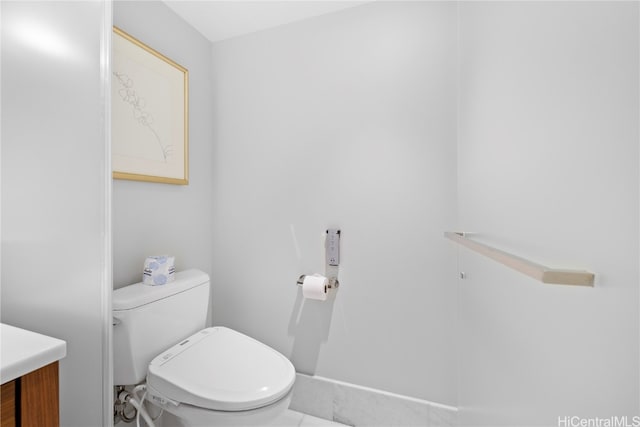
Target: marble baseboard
column 365, row 407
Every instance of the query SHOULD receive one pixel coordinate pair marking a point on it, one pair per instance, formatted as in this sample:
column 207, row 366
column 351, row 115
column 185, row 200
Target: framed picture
column 149, row 115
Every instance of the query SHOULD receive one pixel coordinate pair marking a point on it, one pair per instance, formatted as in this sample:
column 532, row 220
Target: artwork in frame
column 149, row 114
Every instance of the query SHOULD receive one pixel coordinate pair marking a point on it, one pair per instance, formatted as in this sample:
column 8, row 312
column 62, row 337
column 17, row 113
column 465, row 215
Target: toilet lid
column 221, row 369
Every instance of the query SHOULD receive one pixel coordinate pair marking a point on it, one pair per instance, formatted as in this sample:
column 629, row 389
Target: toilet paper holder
column 333, row 282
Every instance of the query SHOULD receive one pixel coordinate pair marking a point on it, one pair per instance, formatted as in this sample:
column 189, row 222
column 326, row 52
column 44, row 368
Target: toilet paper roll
column 158, row 270
column 315, row 287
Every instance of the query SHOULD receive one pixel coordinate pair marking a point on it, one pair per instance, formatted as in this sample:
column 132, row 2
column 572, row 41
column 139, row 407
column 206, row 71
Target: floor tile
column 311, row 421
column 290, row 419
column 298, row 419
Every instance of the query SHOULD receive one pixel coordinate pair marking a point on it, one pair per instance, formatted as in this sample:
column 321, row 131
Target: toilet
column 199, row 376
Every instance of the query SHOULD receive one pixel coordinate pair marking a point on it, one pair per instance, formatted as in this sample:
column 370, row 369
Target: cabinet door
column 39, row 396
column 8, row 409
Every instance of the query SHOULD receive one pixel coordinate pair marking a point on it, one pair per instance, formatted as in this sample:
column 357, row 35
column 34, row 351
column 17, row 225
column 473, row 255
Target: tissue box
column 159, row 270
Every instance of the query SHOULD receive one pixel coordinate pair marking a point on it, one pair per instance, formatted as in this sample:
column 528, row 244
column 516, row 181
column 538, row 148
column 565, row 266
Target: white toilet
column 201, row 377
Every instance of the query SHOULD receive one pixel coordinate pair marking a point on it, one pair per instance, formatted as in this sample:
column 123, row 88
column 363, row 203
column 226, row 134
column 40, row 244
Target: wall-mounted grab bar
column 531, row 269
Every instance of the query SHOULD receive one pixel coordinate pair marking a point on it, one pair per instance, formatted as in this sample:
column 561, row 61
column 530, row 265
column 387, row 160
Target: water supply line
column 134, row 400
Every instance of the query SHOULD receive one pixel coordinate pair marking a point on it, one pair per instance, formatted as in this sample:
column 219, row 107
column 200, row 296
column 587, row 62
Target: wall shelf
column 529, row 268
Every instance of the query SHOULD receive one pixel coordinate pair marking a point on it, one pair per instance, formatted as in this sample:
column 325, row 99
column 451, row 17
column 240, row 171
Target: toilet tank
column 149, row 319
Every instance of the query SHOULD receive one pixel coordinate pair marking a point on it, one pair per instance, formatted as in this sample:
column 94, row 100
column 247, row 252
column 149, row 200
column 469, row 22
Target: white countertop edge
column 25, row 351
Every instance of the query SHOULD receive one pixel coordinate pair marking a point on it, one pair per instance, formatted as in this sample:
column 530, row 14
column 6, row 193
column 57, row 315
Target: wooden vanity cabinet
column 32, row 400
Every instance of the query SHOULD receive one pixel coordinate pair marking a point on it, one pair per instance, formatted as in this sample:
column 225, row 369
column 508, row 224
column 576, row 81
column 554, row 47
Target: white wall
column 56, row 259
column 548, row 169
column 155, row 219
column 345, row 120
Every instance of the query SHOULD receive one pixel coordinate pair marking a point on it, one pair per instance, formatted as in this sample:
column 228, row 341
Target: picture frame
column 149, row 114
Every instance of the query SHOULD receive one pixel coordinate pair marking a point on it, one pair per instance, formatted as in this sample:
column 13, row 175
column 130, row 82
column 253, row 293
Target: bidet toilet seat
column 219, row 369
column 264, row 416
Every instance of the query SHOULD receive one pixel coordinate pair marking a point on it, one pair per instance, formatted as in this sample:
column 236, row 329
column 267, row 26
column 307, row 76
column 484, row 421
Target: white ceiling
column 219, row 20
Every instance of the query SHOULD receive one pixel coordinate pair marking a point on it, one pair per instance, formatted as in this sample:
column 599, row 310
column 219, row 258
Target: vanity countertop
column 23, row 351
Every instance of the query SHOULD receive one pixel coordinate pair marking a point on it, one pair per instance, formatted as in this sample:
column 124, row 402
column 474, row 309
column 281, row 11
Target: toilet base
column 191, row 416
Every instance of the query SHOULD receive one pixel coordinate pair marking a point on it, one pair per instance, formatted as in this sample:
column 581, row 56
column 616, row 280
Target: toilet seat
column 185, row 415
column 220, row 369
